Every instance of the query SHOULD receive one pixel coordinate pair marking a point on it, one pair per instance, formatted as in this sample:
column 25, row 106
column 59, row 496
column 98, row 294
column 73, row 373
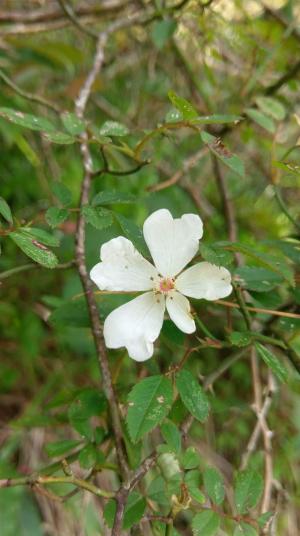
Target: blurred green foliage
column 229, row 69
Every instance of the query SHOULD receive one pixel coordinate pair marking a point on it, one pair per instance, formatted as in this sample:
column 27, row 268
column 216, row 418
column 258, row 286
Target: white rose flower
column 172, row 244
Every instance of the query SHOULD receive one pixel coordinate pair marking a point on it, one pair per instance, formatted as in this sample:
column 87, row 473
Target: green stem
column 243, row 306
column 25, row 267
column 204, row 328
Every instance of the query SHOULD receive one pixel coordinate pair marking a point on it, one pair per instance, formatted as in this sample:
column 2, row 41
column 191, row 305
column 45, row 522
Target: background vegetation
column 108, row 111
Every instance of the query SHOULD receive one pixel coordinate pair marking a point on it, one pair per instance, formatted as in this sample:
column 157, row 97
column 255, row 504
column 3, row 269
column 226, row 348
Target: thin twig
column 80, row 106
column 68, row 11
column 42, row 480
column 126, row 488
column 31, row 266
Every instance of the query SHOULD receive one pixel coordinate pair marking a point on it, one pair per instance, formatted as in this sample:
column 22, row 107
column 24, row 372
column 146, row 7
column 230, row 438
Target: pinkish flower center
column 166, row 284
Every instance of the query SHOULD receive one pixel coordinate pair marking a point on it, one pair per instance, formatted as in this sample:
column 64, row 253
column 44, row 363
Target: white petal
column 136, row 325
column 172, row 242
column 205, row 280
column 178, row 307
column 122, row 267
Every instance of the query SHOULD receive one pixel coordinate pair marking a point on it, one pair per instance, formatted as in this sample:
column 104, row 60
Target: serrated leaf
column 110, row 197
column 133, row 233
column 26, row 120
column 272, row 362
column 171, row 435
column 216, row 255
column 60, row 138
column 220, row 150
column 192, row 395
column 261, row 119
column 240, row 339
column 56, row 216
column 134, row 511
column 258, row 279
column 72, row 123
column 42, row 236
column 214, row 485
column 272, row 107
column 248, row 489
column 58, row 448
column 62, row 193
column 205, row 523
column 185, row 107
column 5, row 210
column 162, row 31
column 34, row 249
column 148, row 404
column 113, row 128
column 98, row 217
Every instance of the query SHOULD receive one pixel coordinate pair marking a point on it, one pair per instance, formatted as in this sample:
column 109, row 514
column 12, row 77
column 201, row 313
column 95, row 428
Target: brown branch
column 127, row 487
column 80, row 107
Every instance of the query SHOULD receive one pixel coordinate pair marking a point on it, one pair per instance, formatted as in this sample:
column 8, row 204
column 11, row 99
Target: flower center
column 166, row 284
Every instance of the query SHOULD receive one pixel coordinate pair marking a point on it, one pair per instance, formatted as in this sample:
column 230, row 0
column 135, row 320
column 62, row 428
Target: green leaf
column 272, row 362
column 240, row 339
column 42, row 236
column 134, row 511
column 190, row 458
column 185, row 107
column 272, row 107
column 56, row 216
column 162, row 31
column 192, row 395
column 72, row 313
column 110, row 197
column 72, row 123
column 216, row 255
column 26, row 120
column 275, row 264
column 214, row 485
column 133, row 233
column 149, row 402
column 218, row 148
column 60, row 138
column 90, row 456
column 100, row 218
column 58, row 448
column 171, row 435
column 205, row 523
column 34, row 249
column 5, row 210
column 113, row 128
column 62, row 193
column 264, row 518
column 258, row 279
column 244, row 529
column 88, row 403
column 261, row 119
column 248, row 489
column 192, row 480
column 173, row 116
